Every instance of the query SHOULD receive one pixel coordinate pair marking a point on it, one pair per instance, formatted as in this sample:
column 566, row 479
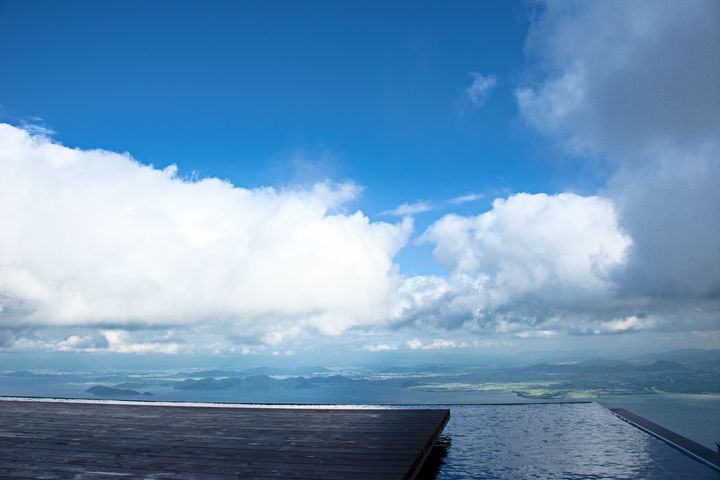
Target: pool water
column 554, row 441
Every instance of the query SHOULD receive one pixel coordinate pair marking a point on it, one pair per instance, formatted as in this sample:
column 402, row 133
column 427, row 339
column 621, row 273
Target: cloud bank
column 92, row 237
column 106, row 249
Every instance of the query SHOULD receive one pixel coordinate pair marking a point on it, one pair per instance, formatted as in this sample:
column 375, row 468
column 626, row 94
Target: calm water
column 367, row 393
column 558, row 441
column 696, row 417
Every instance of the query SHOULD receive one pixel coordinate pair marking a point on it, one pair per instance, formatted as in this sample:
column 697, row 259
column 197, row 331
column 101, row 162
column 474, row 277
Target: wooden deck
column 94, row 440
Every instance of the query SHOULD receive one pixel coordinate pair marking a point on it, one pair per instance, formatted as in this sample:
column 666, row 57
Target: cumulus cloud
column 530, row 261
column 90, row 342
column 92, row 238
column 120, row 341
column 408, row 209
column 556, row 245
column 480, row 89
column 636, row 83
column 117, row 341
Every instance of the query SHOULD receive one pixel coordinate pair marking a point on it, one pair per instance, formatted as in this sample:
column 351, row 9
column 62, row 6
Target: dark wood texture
column 678, row 441
column 94, row 440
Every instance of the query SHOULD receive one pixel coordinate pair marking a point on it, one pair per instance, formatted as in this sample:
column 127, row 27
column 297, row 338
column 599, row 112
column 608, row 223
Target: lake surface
column 365, row 393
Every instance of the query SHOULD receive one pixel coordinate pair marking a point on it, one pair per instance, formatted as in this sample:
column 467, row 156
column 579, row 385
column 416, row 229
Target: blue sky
column 230, row 90
column 565, row 141
column 271, row 94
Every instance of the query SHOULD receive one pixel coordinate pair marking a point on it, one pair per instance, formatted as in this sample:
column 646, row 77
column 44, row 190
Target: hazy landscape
column 680, row 389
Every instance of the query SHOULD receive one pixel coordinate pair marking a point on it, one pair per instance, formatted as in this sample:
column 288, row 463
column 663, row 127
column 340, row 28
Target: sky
column 315, row 180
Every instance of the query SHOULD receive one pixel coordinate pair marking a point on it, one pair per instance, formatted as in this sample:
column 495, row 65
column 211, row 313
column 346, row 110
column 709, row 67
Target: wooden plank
column 358, row 456
column 203, row 449
column 79, row 440
column 200, row 464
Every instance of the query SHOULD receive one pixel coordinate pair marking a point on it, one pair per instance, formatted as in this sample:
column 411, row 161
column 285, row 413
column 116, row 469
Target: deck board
column 92, row 440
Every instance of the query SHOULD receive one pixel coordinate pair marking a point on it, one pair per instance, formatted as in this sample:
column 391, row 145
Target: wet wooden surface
column 86, row 440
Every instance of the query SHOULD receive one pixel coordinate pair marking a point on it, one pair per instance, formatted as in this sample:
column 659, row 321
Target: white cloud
column 470, row 197
column 480, row 89
column 89, row 339
column 434, row 344
column 561, row 245
column 536, row 334
column 409, row 209
column 442, row 344
column 551, row 105
column 92, row 238
column 533, row 262
column 122, row 342
column 380, row 347
column 631, row 323
column 75, row 343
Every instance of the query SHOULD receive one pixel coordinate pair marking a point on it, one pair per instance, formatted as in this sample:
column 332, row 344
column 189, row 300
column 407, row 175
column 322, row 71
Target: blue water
column 555, row 441
column 366, row 393
column 694, row 416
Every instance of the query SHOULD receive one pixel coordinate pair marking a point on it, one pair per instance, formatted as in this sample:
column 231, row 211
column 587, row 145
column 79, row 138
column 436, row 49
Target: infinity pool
column 554, row 441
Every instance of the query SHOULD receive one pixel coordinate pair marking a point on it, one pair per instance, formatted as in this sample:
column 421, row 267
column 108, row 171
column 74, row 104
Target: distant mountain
column 135, row 385
column 253, row 383
column 263, row 383
column 332, row 380
column 309, row 370
column 664, row 366
column 599, row 366
column 215, row 373
column 686, row 356
column 254, row 371
column 590, row 366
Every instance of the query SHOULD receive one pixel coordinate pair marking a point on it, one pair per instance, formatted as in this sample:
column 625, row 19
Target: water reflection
column 436, row 459
column 571, row 441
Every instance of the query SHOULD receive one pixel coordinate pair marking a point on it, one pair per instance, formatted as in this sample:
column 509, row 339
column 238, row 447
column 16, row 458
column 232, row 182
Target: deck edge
column 151, row 403
column 689, row 447
column 417, row 466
